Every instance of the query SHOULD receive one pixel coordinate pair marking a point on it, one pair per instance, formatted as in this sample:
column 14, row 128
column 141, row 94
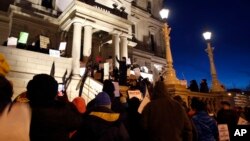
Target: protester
column 14, row 117
column 203, row 86
column 193, row 86
column 80, row 104
column 122, row 71
column 133, row 120
column 181, row 102
column 164, row 119
column 227, row 116
column 205, row 125
column 101, row 123
column 52, row 120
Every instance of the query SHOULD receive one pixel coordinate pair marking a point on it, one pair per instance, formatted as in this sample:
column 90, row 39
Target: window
column 47, row 3
column 152, row 42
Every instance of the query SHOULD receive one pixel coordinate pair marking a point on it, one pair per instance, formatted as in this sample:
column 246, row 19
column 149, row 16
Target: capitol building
column 37, row 34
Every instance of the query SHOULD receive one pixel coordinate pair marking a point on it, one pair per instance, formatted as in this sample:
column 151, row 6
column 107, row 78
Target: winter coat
column 206, row 126
column 54, row 121
column 101, row 124
column 164, row 119
column 228, row 117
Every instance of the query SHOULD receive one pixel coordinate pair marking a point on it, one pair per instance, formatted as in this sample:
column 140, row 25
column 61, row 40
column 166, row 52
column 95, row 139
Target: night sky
column 229, row 22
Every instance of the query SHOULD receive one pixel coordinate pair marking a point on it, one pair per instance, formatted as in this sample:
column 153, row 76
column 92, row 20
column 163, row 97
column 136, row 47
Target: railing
column 115, row 11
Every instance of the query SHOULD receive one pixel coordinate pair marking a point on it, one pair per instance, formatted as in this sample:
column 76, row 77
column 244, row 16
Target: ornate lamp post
column 216, row 85
column 169, row 75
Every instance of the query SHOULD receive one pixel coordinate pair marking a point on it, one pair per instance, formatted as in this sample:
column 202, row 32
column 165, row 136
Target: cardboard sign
column 144, row 102
column 44, row 41
column 242, row 121
column 134, row 93
column 223, row 132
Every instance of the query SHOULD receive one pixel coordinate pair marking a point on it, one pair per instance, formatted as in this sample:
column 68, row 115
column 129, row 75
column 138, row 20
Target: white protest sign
column 110, row 61
column 117, row 89
column 106, row 71
column 62, row 45
column 54, row 53
column 134, row 93
column 223, row 132
column 128, row 61
column 12, row 41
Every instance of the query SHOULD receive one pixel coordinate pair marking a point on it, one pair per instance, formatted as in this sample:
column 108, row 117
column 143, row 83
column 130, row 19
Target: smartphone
column 61, row 89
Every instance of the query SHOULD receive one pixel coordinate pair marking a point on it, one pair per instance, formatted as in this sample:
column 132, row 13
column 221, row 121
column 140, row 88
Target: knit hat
column 102, row 99
column 80, row 104
column 4, row 66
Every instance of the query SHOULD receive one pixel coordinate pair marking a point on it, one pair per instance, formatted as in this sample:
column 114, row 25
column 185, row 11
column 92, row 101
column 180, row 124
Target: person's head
column 197, row 104
column 225, row 105
column 178, row 99
column 80, row 104
column 41, row 89
column 6, row 92
column 109, row 88
column 160, row 90
column 204, row 81
column 103, row 99
column 123, row 58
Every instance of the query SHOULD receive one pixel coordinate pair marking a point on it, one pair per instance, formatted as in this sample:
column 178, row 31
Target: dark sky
column 229, row 21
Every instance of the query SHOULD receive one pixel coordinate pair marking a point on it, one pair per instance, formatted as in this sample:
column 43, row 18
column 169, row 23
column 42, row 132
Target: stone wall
column 25, row 64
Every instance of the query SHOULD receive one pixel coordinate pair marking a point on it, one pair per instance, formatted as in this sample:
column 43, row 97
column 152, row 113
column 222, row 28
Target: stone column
column 124, row 46
column 116, row 49
column 87, row 42
column 76, row 48
column 216, row 85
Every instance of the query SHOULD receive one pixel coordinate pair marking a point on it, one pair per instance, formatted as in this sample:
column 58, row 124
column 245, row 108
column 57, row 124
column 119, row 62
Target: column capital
column 116, row 32
column 126, row 35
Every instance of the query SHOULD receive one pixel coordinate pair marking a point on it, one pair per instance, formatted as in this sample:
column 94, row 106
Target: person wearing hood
column 206, row 126
column 101, row 123
column 164, row 119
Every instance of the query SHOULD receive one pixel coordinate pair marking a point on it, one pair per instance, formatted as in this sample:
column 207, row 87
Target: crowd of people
column 45, row 116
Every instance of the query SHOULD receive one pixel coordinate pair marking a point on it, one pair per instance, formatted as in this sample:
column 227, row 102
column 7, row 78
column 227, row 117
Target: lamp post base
column 217, row 86
column 170, row 77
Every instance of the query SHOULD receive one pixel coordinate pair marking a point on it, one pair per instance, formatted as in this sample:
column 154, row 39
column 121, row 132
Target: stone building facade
column 122, row 28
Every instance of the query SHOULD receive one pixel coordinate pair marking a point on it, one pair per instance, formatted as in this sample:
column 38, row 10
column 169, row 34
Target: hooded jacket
column 164, row 119
column 101, row 124
column 206, row 126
